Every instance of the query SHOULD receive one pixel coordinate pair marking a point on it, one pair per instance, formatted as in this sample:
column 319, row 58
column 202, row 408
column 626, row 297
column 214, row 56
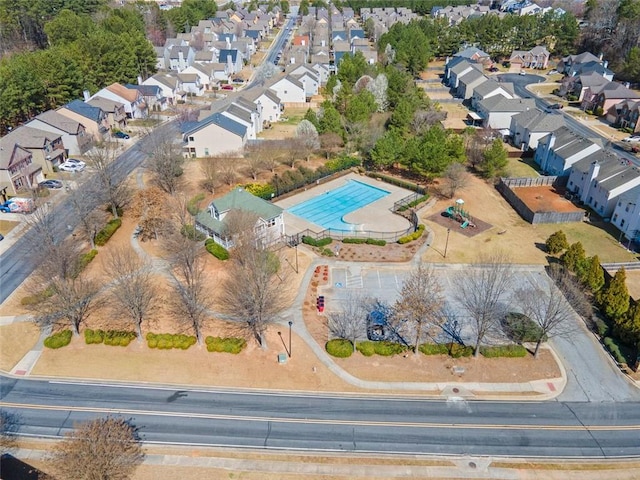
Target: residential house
column 94, row 119
column 457, row 68
column 627, row 113
column 191, row 84
column 46, row 150
column 579, row 84
column 308, row 78
column 626, row 214
column 356, row 34
column 606, row 97
column 528, row 127
column 600, row 179
column 497, row 111
column 74, row 135
column 468, row 81
column 205, row 73
column 592, row 66
column 271, row 106
column 181, row 57
column 170, row 85
column 565, row 65
column 537, row 57
column 151, row 95
column 269, row 227
column 474, row 54
column 558, row 151
column 18, row 171
column 248, row 118
column 214, row 135
column 322, row 71
column 491, row 88
column 289, row 90
column 233, row 59
column 132, row 99
column 116, row 117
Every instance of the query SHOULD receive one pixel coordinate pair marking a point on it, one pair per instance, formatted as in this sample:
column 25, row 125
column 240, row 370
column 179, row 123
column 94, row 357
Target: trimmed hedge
column 167, row 341
column 36, row 298
column 226, row 345
column 84, row 260
column 511, row 351
column 262, row 190
column 398, row 182
column 193, row 205
column 216, row 249
column 107, row 232
column 613, row 347
column 368, row 241
column 115, row 338
column 520, row 328
column 454, row 350
column 415, row 203
column 385, row 349
column 58, row 340
column 339, row 348
column 323, row 242
column 412, row 236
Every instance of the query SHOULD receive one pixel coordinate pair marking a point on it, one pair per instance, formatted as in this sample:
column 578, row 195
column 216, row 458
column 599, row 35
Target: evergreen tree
column 556, row 242
column 614, row 298
column 593, row 274
column 494, row 159
column 574, row 257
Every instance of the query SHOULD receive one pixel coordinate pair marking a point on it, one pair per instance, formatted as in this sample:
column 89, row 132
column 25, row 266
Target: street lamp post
column 288, row 350
column 290, row 324
column 446, row 245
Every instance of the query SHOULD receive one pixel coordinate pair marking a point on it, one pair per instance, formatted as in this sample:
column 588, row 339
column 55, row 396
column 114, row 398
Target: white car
column 70, row 167
column 77, row 162
column 632, row 139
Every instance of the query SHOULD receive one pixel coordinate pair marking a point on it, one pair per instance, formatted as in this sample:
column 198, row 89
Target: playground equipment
column 461, row 216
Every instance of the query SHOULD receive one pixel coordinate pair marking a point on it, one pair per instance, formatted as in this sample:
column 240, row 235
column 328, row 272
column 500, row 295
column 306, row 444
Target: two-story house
column 46, row 148
column 93, row 118
column 116, row 117
column 627, row 115
column 528, row 127
column 496, row 111
column 214, row 135
column 560, row 149
column 537, row 57
column 74, row 135
column 271, row 106
column 18, row 172
column 132, row 99
column 626, row 214
column 491, row 88
column 269, row 227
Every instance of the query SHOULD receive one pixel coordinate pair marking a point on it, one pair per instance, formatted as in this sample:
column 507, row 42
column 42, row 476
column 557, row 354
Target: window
column 206, row 152
column 191, row 139
column 595, row 205
column 622, row 223
column 615, row 218
column 272, row 222
column 590, row 200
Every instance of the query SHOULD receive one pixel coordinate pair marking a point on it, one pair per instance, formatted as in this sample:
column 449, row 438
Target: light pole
column 446, row 245
column 290, row 324
column 288, row 350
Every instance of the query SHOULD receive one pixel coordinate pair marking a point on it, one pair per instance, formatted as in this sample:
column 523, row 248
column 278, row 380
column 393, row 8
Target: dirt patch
column 545, row 199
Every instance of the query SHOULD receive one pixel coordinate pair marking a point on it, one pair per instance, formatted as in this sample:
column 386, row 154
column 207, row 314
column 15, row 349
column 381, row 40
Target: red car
column 227, row 87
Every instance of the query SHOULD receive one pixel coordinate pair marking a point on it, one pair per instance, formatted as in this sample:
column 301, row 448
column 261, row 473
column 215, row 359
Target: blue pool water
column 329, row 208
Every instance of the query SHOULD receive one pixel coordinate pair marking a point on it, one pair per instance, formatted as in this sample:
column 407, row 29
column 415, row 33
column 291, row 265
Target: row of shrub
column 368, row 241
column 226, row 345
column 116, row 338
column 166, row 341
column 398, row 182
column 84, row 260
column 192, row 233
column 37, row 297
column 323, row 242
column 59, row 339
column 107, row 232
column 412, row 236
column 414, row 203
column 216, row 249
column 262, row 190
column 193, row 205
column 614, row 349
column 342, row 348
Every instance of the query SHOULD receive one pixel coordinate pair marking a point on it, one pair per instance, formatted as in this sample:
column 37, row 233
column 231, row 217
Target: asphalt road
column 521, row 81
column 320, row 422
column 18, row 261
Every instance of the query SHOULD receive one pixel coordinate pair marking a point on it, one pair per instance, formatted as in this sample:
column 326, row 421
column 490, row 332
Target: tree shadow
column 12, row 468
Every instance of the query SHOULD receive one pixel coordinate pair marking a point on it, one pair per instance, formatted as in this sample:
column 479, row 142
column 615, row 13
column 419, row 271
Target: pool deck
column 375, row 217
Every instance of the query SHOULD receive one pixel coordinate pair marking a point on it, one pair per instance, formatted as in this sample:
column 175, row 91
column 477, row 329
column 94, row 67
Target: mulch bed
column 448, row 222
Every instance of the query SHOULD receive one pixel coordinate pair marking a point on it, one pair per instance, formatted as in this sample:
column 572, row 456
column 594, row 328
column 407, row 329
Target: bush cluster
column 216, row 249
column 37, row 297
column 414, row 203
column 557, row 242
column 339, row 348
column 323, row 242
column 511, row 351
column 116, row 338
column 166, row 341
column 368, row 241
column 614, row 348
column 192, row 233
column 106, row 233
column 226, row 345
column 412, row 236
column 454, row 350
column 262, row 190
column 385, row 349
column 59, row 339
column 398, row 182
column 193, row 205
column 520, row 328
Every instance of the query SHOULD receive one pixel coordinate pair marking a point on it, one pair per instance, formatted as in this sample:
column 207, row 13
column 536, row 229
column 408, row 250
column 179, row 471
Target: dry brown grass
column 16, row 340
column 6, row 226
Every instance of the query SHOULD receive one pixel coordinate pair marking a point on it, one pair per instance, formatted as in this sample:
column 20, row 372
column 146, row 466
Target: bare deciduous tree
column 350, row 321
column 149, row 207
column 229, row 171
column 270, row 152
column 253, row 162
column 91, row 219
column 253, row 293
column 456, row 177
column 132, row 289
column 210, row 167
column 425, row 118
column 192, row 300
column 105, row 448
column 165, row 164
column 116, row 193
column 330, row 143
column 481, row 291
column 307, row 138
column 420, row 301
column 290, row 152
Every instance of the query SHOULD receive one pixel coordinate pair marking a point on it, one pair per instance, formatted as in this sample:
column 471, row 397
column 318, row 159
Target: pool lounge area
column 369, row 213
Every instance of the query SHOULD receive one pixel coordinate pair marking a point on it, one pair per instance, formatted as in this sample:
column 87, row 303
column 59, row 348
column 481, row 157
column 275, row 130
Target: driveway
column 591, row 374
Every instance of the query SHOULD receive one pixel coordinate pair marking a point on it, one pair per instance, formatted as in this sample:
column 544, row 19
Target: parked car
column 70, row 167
column 77, row 162
column 50, row 184
column 556, row 106
column 226, row 86
column 1, row 237
column 494, row 69
column 522, row 72
column 552, row 72
column 632, row 139
column 18, row 205
column 123, row 135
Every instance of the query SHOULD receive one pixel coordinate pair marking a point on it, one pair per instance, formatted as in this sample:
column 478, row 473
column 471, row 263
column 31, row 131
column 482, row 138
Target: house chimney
column 139, row 80
column 86, row 95
column 605, row 64
column 228, row 43
column 601, row 55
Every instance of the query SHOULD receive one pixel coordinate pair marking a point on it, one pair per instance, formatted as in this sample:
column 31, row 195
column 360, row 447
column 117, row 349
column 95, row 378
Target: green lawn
column 522, row 167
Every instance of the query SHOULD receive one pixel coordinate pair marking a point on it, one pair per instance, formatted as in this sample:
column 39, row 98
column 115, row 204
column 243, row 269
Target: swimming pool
column 328, row 209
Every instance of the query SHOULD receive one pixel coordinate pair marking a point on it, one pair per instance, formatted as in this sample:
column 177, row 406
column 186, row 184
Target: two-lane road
column 327, row 422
